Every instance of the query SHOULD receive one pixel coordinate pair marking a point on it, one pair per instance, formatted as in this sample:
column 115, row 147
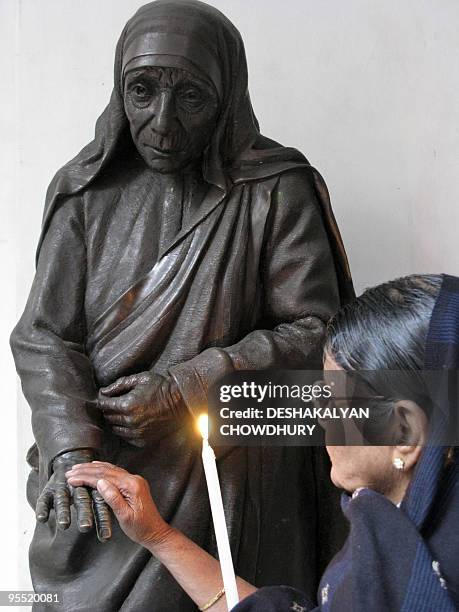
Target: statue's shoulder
column 294, row 179
column 267, row 160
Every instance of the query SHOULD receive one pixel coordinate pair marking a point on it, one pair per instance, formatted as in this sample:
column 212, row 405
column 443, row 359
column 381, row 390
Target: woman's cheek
column 341, row 459
column 349, row 465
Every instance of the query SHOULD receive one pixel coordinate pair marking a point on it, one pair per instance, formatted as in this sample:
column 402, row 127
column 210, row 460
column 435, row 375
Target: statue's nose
column 164, row 114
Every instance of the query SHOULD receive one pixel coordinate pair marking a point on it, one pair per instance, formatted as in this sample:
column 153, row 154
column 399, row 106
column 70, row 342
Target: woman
column 178, row 246
column 402, row 501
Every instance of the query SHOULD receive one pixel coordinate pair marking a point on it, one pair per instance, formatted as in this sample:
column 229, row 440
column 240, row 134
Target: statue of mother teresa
column 178, row 246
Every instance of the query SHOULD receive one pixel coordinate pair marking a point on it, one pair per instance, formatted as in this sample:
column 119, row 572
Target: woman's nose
column 164, row 113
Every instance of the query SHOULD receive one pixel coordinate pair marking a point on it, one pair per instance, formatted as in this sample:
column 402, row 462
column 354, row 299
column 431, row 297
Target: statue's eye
column 140, row 93
column 139, row 90
column 192, row 97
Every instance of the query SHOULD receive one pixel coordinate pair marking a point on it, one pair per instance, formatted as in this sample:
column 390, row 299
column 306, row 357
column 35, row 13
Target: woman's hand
column 195, row 570
column 134, row 404
column 128, row 496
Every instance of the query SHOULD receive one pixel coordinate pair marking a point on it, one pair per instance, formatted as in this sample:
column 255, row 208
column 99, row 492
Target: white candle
column 218, row 516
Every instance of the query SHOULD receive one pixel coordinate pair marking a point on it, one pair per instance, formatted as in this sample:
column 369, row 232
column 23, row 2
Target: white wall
column 9, row 530
column 368, row 90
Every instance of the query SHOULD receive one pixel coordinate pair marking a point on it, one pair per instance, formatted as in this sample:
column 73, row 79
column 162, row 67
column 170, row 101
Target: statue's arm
column 48, row 344
column 300, row 294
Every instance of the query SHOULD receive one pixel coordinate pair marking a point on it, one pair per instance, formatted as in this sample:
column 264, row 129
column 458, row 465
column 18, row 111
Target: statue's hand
column 59, row 495
column 134, row 404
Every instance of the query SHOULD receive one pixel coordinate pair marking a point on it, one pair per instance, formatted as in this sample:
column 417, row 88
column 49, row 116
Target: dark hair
column 381, row 336
column 386, row 327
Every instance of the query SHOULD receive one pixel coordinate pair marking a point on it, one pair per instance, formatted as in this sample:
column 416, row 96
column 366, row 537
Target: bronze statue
column 178, row 246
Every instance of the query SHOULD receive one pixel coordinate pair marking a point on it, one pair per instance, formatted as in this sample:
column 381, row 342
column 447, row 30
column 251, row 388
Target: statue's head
column 180, row 89
column 172, row 114
column 181, row 97
column 173, row 56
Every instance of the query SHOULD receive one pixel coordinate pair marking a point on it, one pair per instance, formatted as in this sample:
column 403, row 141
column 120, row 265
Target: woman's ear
column 411, row 433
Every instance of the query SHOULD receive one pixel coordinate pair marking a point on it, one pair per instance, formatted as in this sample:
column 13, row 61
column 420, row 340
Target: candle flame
column 203, row 425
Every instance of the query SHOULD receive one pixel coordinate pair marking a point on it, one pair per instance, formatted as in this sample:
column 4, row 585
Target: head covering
column 442, row 358
column 197, row 37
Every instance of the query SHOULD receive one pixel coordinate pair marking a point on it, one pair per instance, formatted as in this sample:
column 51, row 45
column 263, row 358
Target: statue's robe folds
column 148, row 272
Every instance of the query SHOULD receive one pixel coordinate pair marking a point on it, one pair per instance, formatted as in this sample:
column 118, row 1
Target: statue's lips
column 162, row 152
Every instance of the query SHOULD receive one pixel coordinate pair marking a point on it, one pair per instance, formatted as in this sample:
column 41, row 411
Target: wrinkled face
column 172, row 115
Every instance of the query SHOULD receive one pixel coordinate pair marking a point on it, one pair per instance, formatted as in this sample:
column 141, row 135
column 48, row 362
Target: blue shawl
column 399, row 559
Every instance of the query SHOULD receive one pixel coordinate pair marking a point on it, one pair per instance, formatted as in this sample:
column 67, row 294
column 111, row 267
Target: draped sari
column 193, row 277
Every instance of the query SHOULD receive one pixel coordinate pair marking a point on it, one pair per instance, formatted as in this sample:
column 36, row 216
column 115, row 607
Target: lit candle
column 218, row 515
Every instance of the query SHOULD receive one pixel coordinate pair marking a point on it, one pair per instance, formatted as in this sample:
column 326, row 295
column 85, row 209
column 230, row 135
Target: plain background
column 367, row 89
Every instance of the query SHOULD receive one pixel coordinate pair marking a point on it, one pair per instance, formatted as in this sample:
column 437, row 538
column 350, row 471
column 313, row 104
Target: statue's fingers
column 122, row 404
column 83, row 507
column 138, row 442
column 123, row 384
column 110, row 404
column 122, row 432
column 62, row 507
column 135, row 436
column 114, row 418
column 44, row 505
column 102, row 516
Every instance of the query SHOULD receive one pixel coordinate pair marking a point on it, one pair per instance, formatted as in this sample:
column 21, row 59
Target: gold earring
column 398, row 463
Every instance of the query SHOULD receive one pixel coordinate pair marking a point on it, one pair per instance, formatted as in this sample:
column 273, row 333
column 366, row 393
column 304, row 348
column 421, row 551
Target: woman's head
column 385, row 329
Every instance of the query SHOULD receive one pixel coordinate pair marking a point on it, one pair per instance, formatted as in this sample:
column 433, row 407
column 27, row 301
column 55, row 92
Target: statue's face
column 172, row 115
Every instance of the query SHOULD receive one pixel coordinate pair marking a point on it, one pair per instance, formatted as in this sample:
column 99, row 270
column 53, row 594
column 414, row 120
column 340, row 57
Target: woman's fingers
column 98, row 467
column 102, row 516
column 83, row 507
column 87, row 474
column 44, row 505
